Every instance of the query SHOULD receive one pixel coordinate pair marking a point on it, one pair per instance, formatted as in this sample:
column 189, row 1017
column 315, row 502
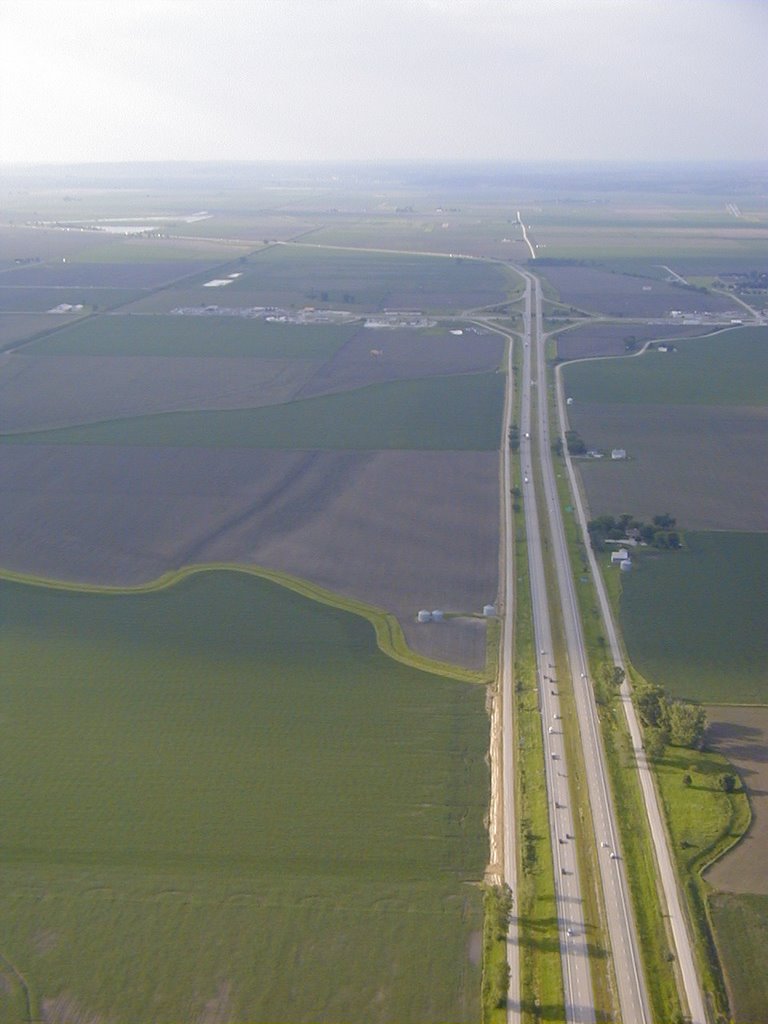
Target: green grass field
column 193, row 336
column 730, row 368
column 694, row 620
column 460, row 413
column 741, row 924
column 221, row 798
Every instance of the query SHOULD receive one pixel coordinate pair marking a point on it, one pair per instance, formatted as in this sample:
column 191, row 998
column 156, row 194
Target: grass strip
column 541, row 977
column 704, row 822
column 389, row 634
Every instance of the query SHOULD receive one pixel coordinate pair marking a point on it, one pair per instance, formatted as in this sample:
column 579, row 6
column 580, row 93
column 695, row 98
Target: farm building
column 618, row 453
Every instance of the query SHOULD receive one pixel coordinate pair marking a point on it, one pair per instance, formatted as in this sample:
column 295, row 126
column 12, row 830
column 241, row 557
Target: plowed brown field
column 399, row 530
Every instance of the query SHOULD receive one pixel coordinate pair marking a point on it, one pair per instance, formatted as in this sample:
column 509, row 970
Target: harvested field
column 694, row 620
column 373, row 356
column 460, row 413
column 741, row 735
column 55, row 391
column 697, row 462
column 727, row 368
column 123, row 335
column 167, row 851
column 98, row 275
column 609, row 339
column 399, row 530
column 741, row 931
column 20, row 326
column 615, row 294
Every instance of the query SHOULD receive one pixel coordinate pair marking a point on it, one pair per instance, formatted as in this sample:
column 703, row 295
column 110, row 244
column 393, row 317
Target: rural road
column 632, row 993
column 665, row 868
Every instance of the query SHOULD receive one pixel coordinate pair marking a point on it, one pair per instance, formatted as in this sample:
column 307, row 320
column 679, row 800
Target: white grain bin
column 489, row 609
column 625, row 565
column 424, row 616
column 437, row 615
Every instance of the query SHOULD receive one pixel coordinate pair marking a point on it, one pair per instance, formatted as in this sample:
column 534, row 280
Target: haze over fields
column 570, row 80
column 278, row 279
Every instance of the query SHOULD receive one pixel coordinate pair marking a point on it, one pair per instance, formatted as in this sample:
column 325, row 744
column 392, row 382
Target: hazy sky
column 379, row 79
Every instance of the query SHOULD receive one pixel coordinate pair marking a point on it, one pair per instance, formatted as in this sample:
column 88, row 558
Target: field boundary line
column 390, row 638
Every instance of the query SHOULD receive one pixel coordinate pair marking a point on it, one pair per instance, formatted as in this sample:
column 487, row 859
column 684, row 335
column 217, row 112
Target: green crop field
column 194, row 336
column 741, row 926
column 459, row 413
column 221, row 801
column 694, row 620
column 730, row 368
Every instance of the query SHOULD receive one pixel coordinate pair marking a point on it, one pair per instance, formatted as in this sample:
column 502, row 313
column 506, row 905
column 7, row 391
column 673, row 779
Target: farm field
column 295, row 276
column 615, row 244
column 397, row 530
column 618, row 294
column 599, row 339
column 741, row 735
column 39, row 300
column 158, row 806
column 741, row 925
column 727, row 368
column 96, row 275
column 124, row 335
column 459, row 413
column 696, row 462
column 16, row 327
column 693, row 619
column 59, row 391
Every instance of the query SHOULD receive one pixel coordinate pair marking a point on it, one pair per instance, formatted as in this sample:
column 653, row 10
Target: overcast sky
column 383, row 79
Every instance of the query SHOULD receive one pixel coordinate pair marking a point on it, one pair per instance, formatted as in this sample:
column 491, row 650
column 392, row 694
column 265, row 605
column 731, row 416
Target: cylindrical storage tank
column 424, row 616
column 625, row 565
column 489, row 609
column 437, row 615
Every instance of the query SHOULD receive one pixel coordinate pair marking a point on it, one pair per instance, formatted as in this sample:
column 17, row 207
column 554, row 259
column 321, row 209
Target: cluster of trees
column 497, row 904
column 669, row 721
column 660, row 533
column 514, row 437
column 574, row 440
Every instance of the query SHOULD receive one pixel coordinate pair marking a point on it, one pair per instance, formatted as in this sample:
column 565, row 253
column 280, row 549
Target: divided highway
column 574, row 953
column 633, row 998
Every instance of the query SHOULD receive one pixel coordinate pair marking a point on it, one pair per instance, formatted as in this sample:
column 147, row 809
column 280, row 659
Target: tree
column 651, row 705
column 687, row 723
column 656, row 743
column 728, row 783
column 664, row 521
column 687, row 780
